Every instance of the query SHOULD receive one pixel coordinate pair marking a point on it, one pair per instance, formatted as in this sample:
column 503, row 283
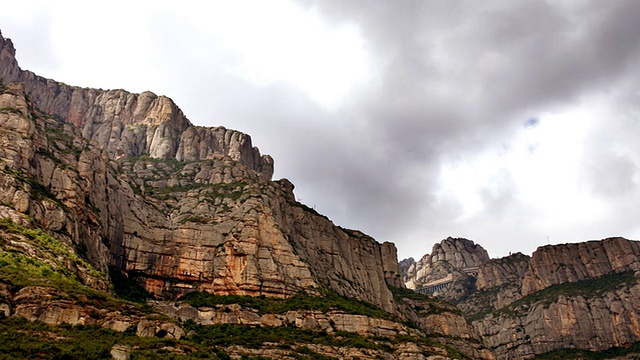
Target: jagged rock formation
column 185, row 207
column 449, row 271
column 126, row 124
column 574, row 262
column 581, row 296
column 392, row 271
column 94, row 180
column 127, row 182
column 502, row 279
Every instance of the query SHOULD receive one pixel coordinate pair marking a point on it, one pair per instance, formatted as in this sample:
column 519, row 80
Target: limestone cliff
column 126, row 124
column 449, row 270
column 552, row 265
column 581, row 296
column 101, row 184
column 176, row 206
column 211, row 225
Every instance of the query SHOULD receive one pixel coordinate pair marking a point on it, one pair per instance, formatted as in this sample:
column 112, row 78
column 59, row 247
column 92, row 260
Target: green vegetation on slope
column 587, row 289
column 569, row 354
column 424, row 304
column 254, row 337
column 301, row 301
column 21, row 339
column 51, row 266
column 231, row 190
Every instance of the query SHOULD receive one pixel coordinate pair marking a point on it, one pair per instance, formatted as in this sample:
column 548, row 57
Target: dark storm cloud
column 456, row 77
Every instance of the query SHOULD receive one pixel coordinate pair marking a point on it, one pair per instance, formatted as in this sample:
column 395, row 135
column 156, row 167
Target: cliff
column 107, row 195
column 448, row 271
column 185, row 207
column 125, row 124
column 569, row 296
column 131, row 189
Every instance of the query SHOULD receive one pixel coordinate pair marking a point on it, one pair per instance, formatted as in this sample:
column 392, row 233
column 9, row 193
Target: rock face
column 581, row 296
column 505, row 271
column 94, row 180
column 564, row 296
column 449, row 271
column 178, row 207
column 593, row 323
column 499, row 283
column 390, row 265
column 552, row 265
column 126, row 124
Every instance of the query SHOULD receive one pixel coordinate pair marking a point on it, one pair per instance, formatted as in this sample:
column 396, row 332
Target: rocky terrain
column 128, row 232
column 108, row 196
column 449, row 271
column 569, row 296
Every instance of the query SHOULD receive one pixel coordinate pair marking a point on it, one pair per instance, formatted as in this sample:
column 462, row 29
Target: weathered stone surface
column 390, row 265
column 499, row 283
column 556, row 264
column 178, row 207
column 504, row 271
column 121, row 352
column 595, row 323
column 126, row 124
column 449, row 271
column 446, row 257
column 309, row 320
column 591, row 319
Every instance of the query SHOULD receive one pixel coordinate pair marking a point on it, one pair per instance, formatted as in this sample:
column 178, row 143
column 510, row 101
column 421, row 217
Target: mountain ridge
column 106, row 194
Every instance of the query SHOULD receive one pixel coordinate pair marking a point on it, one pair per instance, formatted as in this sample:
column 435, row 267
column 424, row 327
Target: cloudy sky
column 511, row 123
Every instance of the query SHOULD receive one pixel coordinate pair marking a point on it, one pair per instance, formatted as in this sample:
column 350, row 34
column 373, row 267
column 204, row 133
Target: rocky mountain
column 185, row 207
column 569, row 296
column 449, row 271
column 107, row 195
column 128, row 232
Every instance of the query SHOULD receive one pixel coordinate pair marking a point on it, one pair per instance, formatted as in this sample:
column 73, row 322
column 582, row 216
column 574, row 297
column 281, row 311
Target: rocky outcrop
column 436, row 319
column 499, row 283
column 177, row 207
column 584, row 321
column 126, row 124
column 563, row 296
column 552, row 265
column 330, row 322
column 390, row 265
column 580, row 296
column 508, row 270
column 449, row 271
column 53, row 306
column 447, row 256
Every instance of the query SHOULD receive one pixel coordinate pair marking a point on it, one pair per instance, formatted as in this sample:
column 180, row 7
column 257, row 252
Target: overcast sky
column 511, row 123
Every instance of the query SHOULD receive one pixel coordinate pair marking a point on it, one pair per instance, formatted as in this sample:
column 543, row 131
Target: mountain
column 128, row 232
column 561, row 299
column 109, row 197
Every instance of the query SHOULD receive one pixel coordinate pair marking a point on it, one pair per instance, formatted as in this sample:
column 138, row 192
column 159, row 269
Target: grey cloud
column 456, row 78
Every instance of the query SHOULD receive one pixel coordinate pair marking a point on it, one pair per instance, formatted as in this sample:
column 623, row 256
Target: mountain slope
column 162, row 208
column 569, row 296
